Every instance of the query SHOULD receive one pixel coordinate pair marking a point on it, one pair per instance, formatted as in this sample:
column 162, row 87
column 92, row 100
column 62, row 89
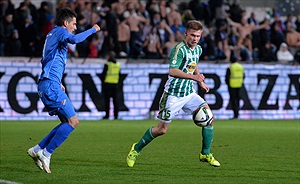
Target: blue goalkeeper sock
column 48, row 138
column 146, row 139
column 60, row 136
column 207, row 138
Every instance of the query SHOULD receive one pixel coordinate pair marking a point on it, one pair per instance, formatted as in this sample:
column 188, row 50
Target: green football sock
column 146, row 139
column 207, row 138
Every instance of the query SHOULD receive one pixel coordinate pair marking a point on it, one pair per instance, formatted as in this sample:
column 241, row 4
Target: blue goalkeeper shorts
column 55, row 99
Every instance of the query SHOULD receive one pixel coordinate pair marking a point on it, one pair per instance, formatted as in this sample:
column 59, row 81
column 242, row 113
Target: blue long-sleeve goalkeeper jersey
column 55, row 51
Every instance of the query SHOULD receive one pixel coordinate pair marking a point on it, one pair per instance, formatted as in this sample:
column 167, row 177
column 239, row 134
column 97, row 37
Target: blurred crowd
column 149, row 29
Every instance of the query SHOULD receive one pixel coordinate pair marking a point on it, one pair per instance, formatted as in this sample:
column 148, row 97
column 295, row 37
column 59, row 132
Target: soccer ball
column 202, row 116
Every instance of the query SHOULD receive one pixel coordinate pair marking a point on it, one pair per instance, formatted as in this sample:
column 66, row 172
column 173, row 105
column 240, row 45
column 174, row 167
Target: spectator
column 43, row 31
column 123, row 38
column 21, row 14
column 111, row 23
column 233, row 38
column 157, row 10
column 265, row 33
column 133, row 21
column 145, row 29
column 178, row 36
column 49, row 25
column 279, row 22
column 32, row 10
column 87, row 13
column 213, row 4
column 156, row 19
column 203, row 44
column 151, row 8
column 209, row 44
column 144, row 12
column 168, row 46
column 252, row 20
column 82, row 47
column 277, row 36
column 197, row 10
column 100, row 36
column 44, row 18
column 6, row 7
column 61, row 4
column 221, row 39
column 187, row 16
column 289, row 19
column 177, row 26
column 268, row 53
column 236, row 11
column 163, row 9
column 14, row 46
column 29, row 36
column 173, row 16
column 96, row 19
column 72, row 5
column 164, row 32
column 245, row 31
column 292, row 39
column 79, row 6
column 119, row 8
column 221, row 11
column 152, row 45
column 6, row 31
column 283, row 54
column 220, row 52
column 246, row 51
column 255, row 35
column 93, row 47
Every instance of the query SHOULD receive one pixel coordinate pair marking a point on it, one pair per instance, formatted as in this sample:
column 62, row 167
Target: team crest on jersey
column 63, row 102
column 174, row 62
column 191, row 67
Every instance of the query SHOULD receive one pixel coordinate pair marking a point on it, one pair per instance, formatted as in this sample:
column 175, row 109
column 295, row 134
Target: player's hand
column 96, row 27
column 204, row 86
column 199, row 78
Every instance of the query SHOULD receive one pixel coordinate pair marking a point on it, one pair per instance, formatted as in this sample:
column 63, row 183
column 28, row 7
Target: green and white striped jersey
column 185, row 59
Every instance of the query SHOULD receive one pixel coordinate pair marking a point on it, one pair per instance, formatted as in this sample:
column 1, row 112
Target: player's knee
column 162, row 131
column 159, row 132
column 73, row 121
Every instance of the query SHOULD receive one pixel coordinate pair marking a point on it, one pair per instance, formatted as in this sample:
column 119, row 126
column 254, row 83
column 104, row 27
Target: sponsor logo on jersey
column 191, row 67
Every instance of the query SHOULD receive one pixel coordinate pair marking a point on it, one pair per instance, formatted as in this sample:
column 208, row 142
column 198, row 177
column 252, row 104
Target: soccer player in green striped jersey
column 179, row 94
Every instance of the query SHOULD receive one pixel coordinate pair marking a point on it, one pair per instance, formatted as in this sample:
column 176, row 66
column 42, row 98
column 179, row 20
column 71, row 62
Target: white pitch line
column 8, row 182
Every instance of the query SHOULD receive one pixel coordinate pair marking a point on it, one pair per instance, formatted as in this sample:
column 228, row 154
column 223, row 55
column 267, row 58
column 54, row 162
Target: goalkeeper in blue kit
column 50, row 88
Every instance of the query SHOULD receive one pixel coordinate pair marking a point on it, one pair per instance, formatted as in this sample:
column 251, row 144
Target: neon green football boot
column 210, row 159
column 131, row 157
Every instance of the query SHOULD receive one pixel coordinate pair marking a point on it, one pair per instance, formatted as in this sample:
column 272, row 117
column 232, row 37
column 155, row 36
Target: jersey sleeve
column 176, row 57
column 71, row 38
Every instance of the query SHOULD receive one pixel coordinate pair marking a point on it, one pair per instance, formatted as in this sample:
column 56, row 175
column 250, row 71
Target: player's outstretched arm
column 82, row 36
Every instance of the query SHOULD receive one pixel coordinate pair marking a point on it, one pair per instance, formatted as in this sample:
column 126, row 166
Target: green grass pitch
column 252, row 151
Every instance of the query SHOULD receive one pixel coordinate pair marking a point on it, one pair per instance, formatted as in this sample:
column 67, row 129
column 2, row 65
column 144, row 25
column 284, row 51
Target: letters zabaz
column 88, row 85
